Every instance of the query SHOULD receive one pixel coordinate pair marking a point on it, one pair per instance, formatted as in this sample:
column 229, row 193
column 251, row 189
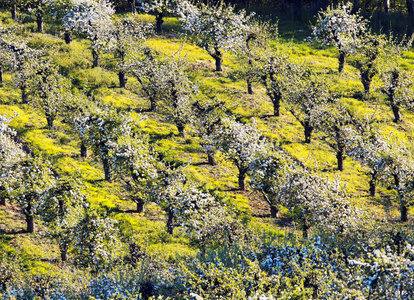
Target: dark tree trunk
column 396, row 111
column 410, row 10
column 25, row 98
column 140, row 205
column 387, row 6
column 355, row 7
column 30, row 223
column 122, row 79
column 373, row 183
column 39, row 21
column 14, row 12
column 133, row 6
column 1, row 75
column 84, row 150
column 340, row 159
column 106, row 164
column 305, row 231
column 249, row 86
column 242, row 178
column 218, row 57
column 308, row 132
column 170, row 227
column 274, row 211
column 342, row 59
column 159, row 21
column 153, row 105
column 404, row 213
column 68, row 37
column 181, row 131
column 64, row 252
column 211, row 159
column 2, row 201
column 50, row 120
column 276, row 106
column 297, row 10
column 95, row 58
column 366, row 82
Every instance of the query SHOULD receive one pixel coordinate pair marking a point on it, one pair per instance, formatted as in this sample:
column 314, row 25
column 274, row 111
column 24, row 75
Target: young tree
column 316, row 201
column 399, row 173
column 48, row 88
column 179, row 94
column 149, row 69
column 269, row 175
column 96, row 242
column 398, row 86
column 92, row 18
column 135, row 163
column 59, row 210
column 241, row 143
column 57, row 9
column 256, row 39
column 160, row 8
column 367, row 146
column 278, row 75
column 335, row 124
column 185, row 205
column 11, row 155
column 101, row 129
column 337, row 26
column 216, row 29
column 21, row 58
column 35, row 179
column 128, row 33
column 307, row 101
column 208, row 117
column 6, row 58
column 367, row 57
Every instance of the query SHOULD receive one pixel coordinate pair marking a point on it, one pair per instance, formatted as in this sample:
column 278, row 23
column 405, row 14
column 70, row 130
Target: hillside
column 146, row 250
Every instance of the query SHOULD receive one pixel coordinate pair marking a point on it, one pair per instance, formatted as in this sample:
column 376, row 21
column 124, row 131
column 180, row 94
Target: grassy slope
column 62, row 147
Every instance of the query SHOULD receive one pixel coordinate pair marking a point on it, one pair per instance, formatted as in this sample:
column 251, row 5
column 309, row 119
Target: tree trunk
column 64, row 252
column 340, row 159
column 153, row 105
column 274, row 211
column 25, row 98
column 106, row 164
column 373, row 183
column 305, row 231
column 404, row 213
column 84, row 150
column 181, row 131
column 133, row 6
column 242, row 177
column 39, row 21
column 211, row 159
column 1, row 75
column 159, row 21
column 355, row 7
column 30, row 223
column 308, row 132
column 14, row 12
column 140, row 205
column 218, row 57
column 95, row 58
column 170, row 227
column 366, row 82
column 410, row 9
column 122, row 79
column 249, row 86
column 50, row 120
column 342, row 59
column 276, row 106
column 387, row 6
column 396, row 111
column 2, row 201
column 68, row 36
